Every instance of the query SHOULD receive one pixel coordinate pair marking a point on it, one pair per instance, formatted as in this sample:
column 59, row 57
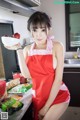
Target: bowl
column 10, row 41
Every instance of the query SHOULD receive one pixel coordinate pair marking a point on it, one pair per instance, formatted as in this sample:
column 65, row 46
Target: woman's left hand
column 43, row 111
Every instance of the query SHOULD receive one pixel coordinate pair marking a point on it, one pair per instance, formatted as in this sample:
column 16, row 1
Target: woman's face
column 40, row 34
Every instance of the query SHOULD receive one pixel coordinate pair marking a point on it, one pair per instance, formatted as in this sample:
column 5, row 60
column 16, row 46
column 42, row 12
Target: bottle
column 78, row 52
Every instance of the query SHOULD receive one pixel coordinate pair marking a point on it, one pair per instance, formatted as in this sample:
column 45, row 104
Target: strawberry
column 16, row 35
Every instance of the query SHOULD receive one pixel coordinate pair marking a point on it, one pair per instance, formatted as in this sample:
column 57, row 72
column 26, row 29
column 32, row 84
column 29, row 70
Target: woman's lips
column 39, row 39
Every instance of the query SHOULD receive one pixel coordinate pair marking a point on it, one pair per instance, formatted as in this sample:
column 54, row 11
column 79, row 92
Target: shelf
column 30, row 3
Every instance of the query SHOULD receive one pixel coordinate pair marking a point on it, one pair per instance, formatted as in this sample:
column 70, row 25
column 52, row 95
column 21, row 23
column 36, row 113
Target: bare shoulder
column 26, row 50
column 57, row 45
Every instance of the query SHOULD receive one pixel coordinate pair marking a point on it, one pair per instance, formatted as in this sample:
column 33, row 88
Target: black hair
column 39, row 18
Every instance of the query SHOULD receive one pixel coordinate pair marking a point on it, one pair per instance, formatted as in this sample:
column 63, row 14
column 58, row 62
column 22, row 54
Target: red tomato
column 23, row 80
column 16, row 35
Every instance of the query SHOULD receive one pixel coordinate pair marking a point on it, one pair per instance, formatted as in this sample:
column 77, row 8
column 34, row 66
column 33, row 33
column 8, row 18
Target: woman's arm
column 21, row 59
column 58, row 53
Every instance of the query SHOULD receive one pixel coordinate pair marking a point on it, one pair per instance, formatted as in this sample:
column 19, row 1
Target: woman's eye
column 43, row 30
column 34, row 30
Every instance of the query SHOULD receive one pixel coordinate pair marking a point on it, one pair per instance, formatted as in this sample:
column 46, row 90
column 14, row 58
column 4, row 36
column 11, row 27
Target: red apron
column 40, row 64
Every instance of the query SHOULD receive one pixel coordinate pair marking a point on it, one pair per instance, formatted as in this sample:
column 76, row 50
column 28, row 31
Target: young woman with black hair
column 43, row 61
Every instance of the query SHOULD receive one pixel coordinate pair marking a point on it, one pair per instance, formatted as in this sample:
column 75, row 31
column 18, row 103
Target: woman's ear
column 47, row 31
column 50, row 28
column 50, row 31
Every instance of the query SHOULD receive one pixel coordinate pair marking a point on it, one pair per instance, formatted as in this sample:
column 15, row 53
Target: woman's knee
column 56, row 111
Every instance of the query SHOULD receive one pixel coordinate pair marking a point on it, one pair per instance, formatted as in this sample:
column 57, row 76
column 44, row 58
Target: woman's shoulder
column 57, row 44
column 26, row 49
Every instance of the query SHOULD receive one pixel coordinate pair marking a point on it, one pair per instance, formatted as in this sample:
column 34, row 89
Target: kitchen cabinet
column 9, row 57
column 71, row 78
column 28, row 114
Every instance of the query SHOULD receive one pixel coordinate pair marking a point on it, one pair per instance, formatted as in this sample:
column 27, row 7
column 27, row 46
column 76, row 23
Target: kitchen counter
column 26, row 100
column 71, row 77
column 71, row 65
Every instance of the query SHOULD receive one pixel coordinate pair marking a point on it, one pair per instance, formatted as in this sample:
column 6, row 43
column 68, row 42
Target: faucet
column 78, row 52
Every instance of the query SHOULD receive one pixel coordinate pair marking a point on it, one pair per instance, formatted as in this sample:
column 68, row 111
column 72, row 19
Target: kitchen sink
column 72, row 61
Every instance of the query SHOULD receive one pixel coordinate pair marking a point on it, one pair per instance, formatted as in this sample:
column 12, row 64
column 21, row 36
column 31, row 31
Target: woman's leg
column 56, row 111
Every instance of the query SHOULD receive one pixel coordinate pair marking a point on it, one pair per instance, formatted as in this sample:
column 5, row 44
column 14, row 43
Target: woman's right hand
column 14, row 47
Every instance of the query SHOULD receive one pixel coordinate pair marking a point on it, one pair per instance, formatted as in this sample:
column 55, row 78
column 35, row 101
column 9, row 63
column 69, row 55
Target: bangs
column 38, row 25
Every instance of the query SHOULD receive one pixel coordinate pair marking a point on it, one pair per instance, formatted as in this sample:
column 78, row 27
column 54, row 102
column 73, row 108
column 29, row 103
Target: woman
column 43, row 61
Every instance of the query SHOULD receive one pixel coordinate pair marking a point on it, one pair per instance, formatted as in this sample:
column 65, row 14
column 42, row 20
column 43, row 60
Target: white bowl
column 10, row 41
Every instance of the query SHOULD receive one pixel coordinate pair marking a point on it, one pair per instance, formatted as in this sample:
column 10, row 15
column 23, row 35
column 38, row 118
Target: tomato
column 23, row 80
column 16, row 35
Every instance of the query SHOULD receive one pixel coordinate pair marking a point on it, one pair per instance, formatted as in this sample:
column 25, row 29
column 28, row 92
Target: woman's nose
column 38, row 34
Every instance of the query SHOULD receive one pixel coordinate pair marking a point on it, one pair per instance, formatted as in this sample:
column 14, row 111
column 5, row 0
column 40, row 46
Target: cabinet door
column 72, row 80
column 9, row 57
column 28, row 114
column 9, row 61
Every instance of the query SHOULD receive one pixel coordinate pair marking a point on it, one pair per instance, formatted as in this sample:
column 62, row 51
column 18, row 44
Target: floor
column 72, row 113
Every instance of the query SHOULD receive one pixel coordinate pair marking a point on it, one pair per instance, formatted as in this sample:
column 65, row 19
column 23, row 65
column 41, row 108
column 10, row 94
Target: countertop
column 26, row 100
column 71, row 65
